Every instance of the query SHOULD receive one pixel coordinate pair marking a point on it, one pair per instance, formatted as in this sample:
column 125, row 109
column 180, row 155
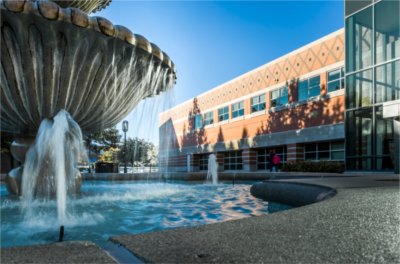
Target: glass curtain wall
column 372, row 78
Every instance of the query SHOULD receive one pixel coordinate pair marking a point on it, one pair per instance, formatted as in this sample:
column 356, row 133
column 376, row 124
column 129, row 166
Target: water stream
column 212, row 173
column 50, row 165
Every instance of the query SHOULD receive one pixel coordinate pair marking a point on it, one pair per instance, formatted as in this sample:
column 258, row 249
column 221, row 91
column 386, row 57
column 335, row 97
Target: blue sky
column 212, row 42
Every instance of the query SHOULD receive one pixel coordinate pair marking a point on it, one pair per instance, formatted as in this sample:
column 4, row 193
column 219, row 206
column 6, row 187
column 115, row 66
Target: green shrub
column 312, row 166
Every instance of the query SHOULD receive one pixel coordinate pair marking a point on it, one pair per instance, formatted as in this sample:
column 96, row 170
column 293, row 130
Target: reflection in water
column 106, row 209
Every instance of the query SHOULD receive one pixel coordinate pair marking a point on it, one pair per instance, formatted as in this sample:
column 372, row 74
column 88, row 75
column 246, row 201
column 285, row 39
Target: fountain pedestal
column 18, row 150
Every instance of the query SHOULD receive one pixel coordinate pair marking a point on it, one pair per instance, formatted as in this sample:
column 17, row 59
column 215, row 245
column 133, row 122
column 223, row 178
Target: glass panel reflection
column 359, row 132
column 387, row 39
column 359, row 89
column 387, row 82
column 359, row 40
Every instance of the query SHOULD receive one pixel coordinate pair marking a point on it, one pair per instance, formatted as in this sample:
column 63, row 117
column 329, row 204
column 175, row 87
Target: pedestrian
column 276, row 161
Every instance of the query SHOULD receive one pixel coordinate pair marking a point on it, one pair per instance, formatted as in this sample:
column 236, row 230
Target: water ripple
column 112, row 208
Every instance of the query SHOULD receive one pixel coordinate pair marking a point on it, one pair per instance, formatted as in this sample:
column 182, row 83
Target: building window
column 203, row 162
column 198, row 121
column 387, row 82
column 359, row 40
column 279, row 97
column 309, row 88
column 258, row 103
column 233, row 160
column 208, row 118
column 384, row 138
column 359, row 89
column 238, row 109
column 372, row 40
column 324, row 151
column 359, row 139
column 387, row 37
column 223, row 113
column 335, row 80
column 337, row 150
column 263, row 156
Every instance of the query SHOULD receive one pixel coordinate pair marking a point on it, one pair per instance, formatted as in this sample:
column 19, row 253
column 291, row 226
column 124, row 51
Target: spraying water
column 212, row 173
column 50, row 165
column 145, row 119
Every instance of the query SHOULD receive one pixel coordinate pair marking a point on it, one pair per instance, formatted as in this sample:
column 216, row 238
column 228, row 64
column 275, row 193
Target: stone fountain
column 63, row 71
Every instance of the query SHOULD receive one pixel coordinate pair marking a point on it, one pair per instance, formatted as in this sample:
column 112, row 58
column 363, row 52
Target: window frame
column 309, row 88
column 258, row 104
column 209, row 120
column 225, row 112
column 196, row 121
column 239, row 111
column 236, row 156
column 341, row 79
column 203, row 162
column 317, row 152
column 262, row 160
column 278, row 99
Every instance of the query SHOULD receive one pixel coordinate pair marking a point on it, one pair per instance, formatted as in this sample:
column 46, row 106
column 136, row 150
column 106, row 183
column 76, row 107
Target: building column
column 295, row 152
column 249, row 157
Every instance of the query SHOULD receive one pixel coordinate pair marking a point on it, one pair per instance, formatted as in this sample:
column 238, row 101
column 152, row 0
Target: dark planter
column 103, row 167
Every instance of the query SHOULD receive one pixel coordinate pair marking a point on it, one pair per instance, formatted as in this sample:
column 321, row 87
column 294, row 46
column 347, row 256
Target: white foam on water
column 47, row 222
column 136, row 192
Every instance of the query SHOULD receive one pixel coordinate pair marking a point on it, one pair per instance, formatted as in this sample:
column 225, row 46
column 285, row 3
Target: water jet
column 212, row 172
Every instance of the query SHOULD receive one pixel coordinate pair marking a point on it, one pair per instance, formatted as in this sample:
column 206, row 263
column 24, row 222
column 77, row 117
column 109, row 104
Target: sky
column 212, row 42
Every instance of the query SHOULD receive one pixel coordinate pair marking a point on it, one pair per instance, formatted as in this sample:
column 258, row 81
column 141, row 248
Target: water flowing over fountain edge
column 50, row 13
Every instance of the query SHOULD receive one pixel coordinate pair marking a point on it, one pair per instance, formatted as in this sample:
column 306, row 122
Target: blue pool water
column 107, row 209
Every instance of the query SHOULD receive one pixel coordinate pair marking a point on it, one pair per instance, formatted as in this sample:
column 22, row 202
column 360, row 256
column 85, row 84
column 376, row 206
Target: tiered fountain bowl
column 57, row 57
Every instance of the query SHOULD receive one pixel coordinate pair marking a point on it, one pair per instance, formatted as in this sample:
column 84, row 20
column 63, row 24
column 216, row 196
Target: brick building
column 294, row 105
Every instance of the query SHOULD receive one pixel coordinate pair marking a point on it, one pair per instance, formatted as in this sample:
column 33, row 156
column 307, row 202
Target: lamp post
column 125, row 129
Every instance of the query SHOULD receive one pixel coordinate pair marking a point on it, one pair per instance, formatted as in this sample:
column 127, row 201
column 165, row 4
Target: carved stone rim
column 52, row 11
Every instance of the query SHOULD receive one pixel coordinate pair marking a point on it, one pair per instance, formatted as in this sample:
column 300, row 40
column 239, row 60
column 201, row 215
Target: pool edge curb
column 291, row 193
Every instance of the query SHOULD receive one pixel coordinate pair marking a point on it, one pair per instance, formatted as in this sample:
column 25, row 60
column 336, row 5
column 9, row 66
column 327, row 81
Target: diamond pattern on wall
column 321, row 54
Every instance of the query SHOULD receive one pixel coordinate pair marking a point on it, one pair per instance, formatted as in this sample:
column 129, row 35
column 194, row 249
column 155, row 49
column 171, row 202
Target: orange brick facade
column 183, row 146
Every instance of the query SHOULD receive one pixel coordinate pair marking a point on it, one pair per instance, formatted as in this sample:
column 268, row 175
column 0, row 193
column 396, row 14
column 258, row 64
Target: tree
column 107, row 140
column 109, row 137
column 139, row 151
column 110, row 155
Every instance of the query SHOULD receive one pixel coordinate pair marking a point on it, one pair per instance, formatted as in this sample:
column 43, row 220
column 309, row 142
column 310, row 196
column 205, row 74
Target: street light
column 125, row 129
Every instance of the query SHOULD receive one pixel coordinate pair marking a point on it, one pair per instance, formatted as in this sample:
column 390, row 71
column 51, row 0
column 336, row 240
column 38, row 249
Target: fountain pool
column 105, row 209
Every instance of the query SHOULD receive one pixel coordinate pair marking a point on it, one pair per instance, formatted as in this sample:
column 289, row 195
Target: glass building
column 372, row 84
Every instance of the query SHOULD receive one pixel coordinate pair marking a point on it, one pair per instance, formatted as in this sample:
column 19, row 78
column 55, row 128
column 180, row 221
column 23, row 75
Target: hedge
column 312, row 166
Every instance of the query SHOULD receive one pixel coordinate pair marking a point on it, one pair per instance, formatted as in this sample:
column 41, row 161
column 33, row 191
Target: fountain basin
column 55, row 58
column 87, row 6
column 107, row 209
